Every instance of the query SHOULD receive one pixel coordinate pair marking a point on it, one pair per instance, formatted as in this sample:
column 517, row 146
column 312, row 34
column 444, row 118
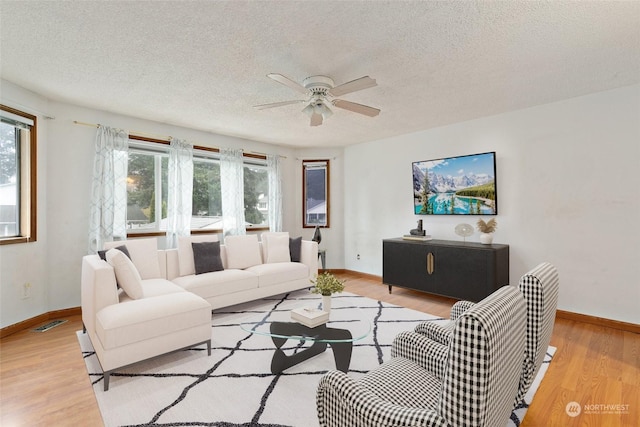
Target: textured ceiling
column 203, row 64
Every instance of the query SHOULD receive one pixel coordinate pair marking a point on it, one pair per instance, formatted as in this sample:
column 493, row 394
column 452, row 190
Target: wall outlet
column 358, row 257
column 26, row 290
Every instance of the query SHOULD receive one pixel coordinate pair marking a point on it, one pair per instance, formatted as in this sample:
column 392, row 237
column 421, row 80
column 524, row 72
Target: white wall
column 569, row 193
column 65, row 163
column 27, row 262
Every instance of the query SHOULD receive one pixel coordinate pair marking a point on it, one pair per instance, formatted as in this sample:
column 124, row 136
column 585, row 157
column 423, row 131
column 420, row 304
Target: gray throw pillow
column 122, row 248
column 206, row 257
column 295, row 245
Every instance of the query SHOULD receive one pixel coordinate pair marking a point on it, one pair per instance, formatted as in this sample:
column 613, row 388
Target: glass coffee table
column 345, row 326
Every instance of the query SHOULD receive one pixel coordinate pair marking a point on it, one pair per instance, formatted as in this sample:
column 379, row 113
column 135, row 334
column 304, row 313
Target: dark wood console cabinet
column 469, row 271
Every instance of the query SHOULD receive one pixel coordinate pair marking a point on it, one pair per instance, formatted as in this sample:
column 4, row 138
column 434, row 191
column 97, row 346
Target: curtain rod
column 168, row 138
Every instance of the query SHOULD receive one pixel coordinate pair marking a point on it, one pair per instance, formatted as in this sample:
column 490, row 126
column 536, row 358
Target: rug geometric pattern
column 234, row 386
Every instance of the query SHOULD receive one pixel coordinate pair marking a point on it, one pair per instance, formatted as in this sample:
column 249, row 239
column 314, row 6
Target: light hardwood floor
column 43, row 381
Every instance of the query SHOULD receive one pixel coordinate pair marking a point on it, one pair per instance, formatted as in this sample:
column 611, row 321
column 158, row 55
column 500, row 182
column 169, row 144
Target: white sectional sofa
column 155, row 301
column 252, row 269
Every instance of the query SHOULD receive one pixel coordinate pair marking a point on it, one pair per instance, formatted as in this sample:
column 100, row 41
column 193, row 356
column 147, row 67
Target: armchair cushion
column 342, row 401
column 436, row 332
column 428, row 354
column 403, row 382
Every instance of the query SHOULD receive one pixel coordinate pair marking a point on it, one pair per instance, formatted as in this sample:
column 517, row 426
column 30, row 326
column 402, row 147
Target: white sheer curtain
column 180, row 191
column 232, row 189
column 275, row 192
column 108, row 214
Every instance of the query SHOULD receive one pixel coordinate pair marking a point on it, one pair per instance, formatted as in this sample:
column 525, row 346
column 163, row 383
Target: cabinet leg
column 390, row 288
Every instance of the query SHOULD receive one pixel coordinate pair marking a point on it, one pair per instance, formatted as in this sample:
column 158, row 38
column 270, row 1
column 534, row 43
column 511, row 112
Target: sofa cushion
column 276, row 247
column 185, row 251
column 144, row 254
column 295, row 248
column 242, row 251
column 153, row 288
column 280, row 272
column 136, row 321
column 126, row 273
column 223, row 282
column 206, row 257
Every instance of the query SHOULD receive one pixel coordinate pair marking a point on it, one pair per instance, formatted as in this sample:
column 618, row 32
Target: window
column 147, row 192
column 315, row 193
column 17, row 176
column 256, row 195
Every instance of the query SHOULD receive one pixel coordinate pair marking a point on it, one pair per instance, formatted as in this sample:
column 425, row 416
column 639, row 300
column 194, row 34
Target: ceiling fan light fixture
column 321, row 108
column 308, row 110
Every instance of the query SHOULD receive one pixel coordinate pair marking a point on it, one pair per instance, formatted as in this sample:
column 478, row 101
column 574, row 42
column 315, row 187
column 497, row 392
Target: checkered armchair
column 483, row 364
column 539, row 287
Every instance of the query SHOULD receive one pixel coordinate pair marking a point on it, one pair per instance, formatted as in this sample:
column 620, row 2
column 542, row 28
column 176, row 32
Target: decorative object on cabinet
column 419, row 231
column 464, row 231
column 487, row 229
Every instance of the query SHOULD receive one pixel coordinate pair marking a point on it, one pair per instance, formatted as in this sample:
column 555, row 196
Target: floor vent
column 52, row 324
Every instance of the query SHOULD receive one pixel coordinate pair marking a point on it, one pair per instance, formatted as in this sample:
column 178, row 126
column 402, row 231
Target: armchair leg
column 209, row 348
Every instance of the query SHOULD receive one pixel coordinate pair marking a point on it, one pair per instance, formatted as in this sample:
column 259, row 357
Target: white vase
column 326, row 303
column 486, row 238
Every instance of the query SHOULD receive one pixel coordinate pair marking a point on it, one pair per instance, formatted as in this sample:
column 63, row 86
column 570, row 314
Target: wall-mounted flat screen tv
column 463, row 185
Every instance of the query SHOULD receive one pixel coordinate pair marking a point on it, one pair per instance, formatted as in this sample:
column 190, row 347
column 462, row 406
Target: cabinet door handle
column 430, row 263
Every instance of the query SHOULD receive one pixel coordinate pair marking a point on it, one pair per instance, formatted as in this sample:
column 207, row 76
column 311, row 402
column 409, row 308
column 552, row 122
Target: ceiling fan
column 321, row 92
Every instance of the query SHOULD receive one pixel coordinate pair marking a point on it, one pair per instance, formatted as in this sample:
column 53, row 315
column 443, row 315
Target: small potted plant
column 327, row 284
column 486, row 229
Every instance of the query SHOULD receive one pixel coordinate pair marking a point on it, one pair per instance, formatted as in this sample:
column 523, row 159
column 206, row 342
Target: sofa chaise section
column 159, row 318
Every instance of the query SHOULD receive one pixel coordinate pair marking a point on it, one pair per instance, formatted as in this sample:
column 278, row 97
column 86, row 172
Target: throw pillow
column 185, row 251
column 123, row 248
column 295, row 247
column 277, row 247
column 242, row 251
column 126, row 273
column 206, row 257
column 144, row 255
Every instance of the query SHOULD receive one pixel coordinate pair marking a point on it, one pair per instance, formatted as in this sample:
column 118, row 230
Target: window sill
column 15, row 240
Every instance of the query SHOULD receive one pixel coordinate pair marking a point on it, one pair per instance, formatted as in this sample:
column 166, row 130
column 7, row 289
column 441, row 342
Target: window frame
column 327, row 163
column 213, row 152
column 28, row 205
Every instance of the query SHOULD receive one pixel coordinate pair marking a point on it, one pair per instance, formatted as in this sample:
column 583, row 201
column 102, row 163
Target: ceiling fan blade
column 316, row 119
column 356, row 108
column 287, row 82
column 277, row 104
column 352, row 86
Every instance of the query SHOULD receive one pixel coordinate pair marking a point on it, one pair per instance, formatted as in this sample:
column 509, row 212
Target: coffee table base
column 341, row 350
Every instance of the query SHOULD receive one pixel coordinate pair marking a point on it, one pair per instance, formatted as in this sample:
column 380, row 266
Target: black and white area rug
column 234, row 386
